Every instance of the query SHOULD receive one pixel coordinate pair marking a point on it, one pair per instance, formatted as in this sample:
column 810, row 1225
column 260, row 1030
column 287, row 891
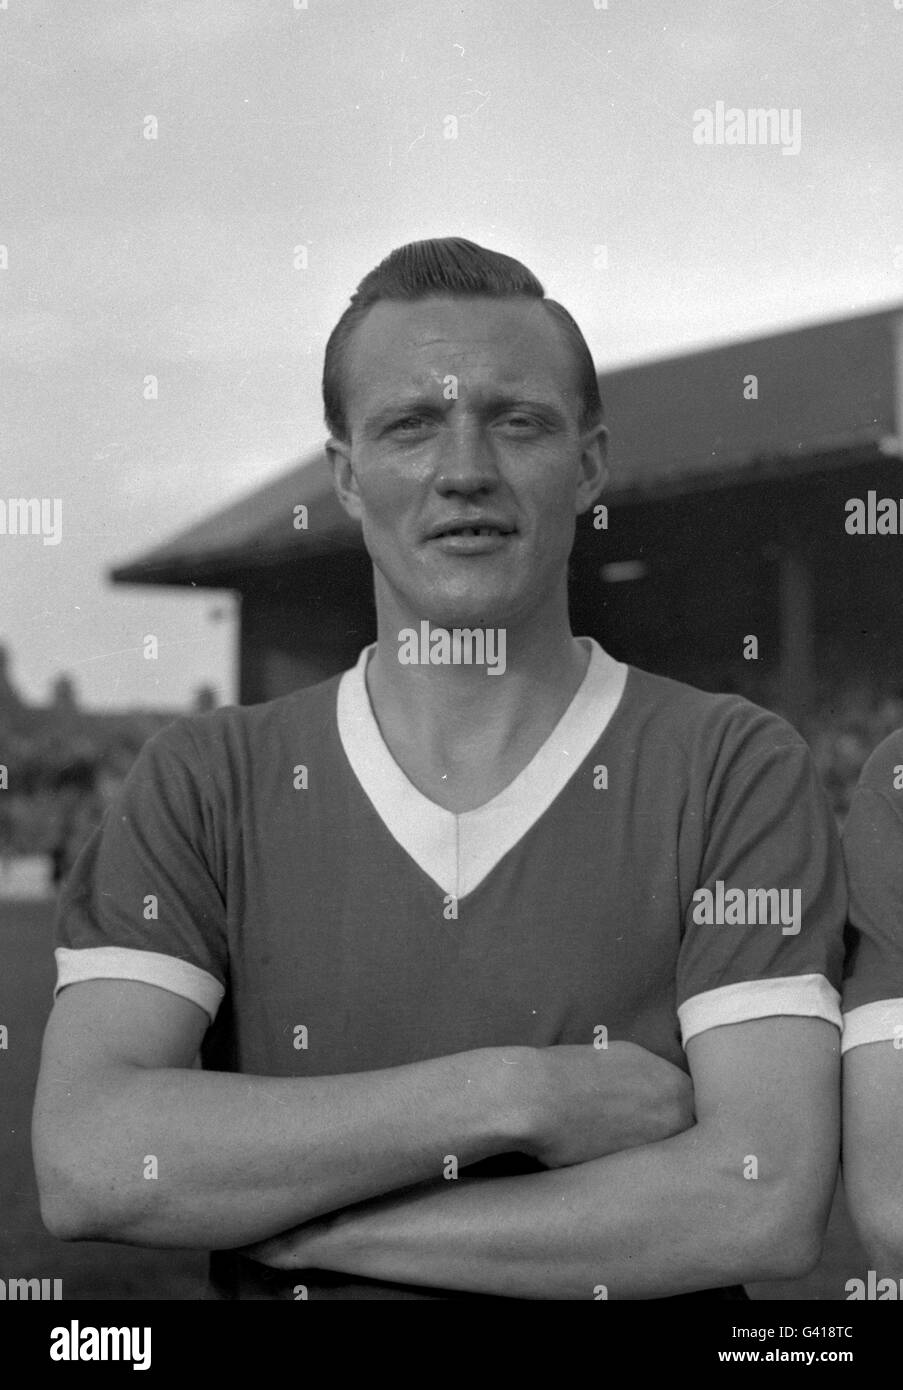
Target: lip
column 458, row 544
column 455, row 525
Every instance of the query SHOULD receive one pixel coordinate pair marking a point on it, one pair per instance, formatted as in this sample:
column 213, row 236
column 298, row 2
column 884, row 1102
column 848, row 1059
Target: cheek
column 388, row 490
column 552, row 508
column 387, row 504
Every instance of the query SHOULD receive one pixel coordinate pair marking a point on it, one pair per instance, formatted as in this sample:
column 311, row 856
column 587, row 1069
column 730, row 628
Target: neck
column 460, row 733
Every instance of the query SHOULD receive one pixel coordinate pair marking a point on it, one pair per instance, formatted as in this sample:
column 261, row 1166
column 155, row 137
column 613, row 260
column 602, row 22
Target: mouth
column 459, row 529
column 463, row 541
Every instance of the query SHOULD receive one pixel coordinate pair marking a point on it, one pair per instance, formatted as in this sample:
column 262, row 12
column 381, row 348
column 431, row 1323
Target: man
column 457, row 918
column 873, row 1010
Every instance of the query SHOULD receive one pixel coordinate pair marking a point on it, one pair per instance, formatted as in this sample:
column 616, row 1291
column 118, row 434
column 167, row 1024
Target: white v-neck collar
column 458, row 851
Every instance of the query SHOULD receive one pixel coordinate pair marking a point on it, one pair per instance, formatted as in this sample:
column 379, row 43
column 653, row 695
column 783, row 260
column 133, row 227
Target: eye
column 407, row 425
column 521, row 422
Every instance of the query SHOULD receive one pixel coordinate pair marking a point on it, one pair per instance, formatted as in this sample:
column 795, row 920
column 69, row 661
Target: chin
column 467, row 610
column 457, row 601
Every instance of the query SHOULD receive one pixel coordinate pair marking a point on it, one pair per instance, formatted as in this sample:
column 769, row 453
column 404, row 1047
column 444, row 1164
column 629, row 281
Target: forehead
column 488, row 344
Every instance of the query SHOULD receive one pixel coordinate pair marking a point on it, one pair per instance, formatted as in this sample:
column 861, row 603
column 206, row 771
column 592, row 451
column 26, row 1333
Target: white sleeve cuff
column 150, row 967
column 805, row 996
column 878, row 1022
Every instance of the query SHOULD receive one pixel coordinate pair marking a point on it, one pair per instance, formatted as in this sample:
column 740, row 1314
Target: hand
column 337, row 1239
column 299, row 1248
column 594, row 1101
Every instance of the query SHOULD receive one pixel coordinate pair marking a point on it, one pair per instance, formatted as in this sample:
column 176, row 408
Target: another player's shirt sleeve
column 142, row 901
column 873, row 850
column 763, row 930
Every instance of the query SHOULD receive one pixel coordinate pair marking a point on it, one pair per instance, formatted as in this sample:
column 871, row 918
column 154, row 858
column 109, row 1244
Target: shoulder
column 705, row 725
column 882, row 770
column 239, row 751
column 301, row 714
column 874, row 824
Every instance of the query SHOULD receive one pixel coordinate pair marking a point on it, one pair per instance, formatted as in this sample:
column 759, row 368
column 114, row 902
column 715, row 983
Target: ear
column 593, row 468
column 338, row 451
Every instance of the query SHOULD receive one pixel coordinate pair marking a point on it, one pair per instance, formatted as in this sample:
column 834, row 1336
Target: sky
column 163, row 160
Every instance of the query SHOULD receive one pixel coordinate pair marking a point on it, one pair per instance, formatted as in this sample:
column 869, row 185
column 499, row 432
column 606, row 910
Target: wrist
column 514, row 1077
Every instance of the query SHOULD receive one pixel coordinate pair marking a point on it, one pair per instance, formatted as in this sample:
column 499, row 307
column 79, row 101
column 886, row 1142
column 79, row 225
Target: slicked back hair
column 448, row 267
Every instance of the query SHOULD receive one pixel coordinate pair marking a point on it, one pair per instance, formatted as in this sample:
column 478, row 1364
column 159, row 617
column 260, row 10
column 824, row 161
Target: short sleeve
column 763, row 931
column 873, row 851
column 141, row 901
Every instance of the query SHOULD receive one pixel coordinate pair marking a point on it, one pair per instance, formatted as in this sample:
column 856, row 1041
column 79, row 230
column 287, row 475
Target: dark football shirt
column 274, row 864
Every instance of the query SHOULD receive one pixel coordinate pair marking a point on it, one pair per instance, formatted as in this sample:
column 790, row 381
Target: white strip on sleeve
column 803, row 996
column 150, row 967
column 881, row 1021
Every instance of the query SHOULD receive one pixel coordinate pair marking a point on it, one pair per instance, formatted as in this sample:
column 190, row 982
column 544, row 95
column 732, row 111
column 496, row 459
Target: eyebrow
column 489, row 405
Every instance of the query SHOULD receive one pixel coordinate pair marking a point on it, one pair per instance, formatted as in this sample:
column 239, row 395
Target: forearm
column 873, row 1195
column 188, row 1158
column 872, row 1139
column 666, row 1219
column 883, row 1247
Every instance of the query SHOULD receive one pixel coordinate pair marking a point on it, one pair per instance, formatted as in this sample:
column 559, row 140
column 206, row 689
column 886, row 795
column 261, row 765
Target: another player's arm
column 872, row 1146
column 741, row 1196
column 238, row 1158
column 873, row 1000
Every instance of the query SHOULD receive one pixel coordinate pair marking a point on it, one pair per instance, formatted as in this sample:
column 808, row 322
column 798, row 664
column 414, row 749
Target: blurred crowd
column 59, row 789
column 61, row 766
column 844, row 730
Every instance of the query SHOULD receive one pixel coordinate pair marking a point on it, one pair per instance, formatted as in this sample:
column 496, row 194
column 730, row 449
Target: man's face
column 466, row 464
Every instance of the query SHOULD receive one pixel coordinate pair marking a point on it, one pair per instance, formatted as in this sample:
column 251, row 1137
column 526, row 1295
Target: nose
column 467, row 462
